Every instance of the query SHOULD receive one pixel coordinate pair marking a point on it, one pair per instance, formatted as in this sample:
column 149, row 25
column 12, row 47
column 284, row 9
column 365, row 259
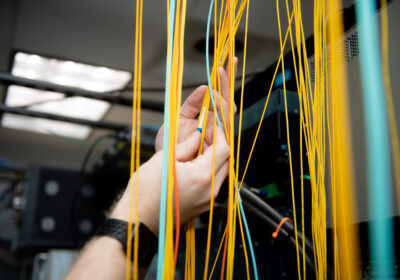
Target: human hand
column 193, row 178
column 191, row 109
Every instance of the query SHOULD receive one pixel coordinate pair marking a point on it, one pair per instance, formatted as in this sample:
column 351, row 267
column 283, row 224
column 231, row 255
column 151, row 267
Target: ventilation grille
column 351, row 46
column 351, row 51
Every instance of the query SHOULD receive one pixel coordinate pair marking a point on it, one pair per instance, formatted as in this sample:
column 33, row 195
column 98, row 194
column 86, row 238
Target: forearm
column 102, row 258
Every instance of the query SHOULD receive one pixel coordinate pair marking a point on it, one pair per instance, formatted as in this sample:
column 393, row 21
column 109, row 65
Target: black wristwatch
column 118, row 229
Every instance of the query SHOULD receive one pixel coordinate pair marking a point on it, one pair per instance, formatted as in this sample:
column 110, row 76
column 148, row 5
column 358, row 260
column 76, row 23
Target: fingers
column 192, row 105
column 208, row 135
column 159, row 139
column 224, row 90
column 222, row 107
column 223, row 76
column 234, row 76
column 236, row 60
column 221, row 153
column 188, row 149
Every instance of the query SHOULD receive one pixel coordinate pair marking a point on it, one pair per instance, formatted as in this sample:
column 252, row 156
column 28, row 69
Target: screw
column 48, row 224
column 51, row 188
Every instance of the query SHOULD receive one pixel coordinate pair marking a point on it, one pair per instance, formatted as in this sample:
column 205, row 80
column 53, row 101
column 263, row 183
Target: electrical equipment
column 64, row 207
column 113, row 168
column 59, row 211
column 53, row 265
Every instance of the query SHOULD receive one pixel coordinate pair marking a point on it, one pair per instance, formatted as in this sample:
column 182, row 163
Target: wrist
column 121, row 212
column 147, row 204
column 119, row 231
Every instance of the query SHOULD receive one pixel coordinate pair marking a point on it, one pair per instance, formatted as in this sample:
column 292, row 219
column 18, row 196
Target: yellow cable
column 242, row 91
column 264, row 109
column 244, row 243
column 301, row 125
column 175, row 89
column 230, row 138
column 288, row 142
column 343, row 181
column 135, row 145
column 218, row 252
column 211, row 203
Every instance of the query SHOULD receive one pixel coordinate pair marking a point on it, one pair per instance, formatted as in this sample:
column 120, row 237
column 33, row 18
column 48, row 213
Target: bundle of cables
column 272, row 218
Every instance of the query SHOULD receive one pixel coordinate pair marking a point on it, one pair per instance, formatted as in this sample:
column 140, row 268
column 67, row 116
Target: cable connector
column 201, row 120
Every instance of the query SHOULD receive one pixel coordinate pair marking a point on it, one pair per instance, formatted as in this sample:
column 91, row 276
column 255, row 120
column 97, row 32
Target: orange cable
column 281, row 223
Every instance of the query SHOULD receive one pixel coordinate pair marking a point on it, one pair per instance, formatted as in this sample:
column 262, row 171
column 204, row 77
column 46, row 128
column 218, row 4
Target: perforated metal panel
column 350, row 50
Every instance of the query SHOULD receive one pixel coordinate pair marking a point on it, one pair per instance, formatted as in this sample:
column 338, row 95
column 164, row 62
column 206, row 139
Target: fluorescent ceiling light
column 54, row 103
column 66, row 73
column 18, row 96
column 69, row 73
column 46, row 126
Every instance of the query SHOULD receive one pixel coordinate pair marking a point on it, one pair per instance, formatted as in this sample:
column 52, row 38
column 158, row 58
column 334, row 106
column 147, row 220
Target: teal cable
column 246, row 227
column 208, row 62
column 378, row 153
column 164, row 176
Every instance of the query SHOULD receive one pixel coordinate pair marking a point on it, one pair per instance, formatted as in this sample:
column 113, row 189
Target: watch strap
column 118, row 229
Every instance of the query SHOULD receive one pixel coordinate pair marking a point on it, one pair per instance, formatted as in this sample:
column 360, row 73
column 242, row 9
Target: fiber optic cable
column 389, row 97
column 237, row 190
column 255, row 139
column 301, row 137
column 345, row 239
column 378, row 164
column 244, row 244
column 211, row 203
column 179, row 66
column 231, row 194
column 164, row 175
column 219, row 124
column 265, row 107
column 314, row 128
column 135, row 147
column 208, row 62
column 253, row 257
column 288, row 141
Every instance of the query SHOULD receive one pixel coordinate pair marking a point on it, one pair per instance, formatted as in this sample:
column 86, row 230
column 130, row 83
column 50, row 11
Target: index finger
column 192, row 105
column 223, row 77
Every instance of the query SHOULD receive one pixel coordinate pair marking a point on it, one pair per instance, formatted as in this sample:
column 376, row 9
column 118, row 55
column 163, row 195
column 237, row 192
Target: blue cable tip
column 199, row 129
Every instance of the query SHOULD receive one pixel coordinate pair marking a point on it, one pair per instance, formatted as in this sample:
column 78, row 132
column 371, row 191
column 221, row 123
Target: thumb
column 188, row 149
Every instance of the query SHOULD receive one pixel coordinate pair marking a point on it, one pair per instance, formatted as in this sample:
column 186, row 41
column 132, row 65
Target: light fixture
column 68, row 73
